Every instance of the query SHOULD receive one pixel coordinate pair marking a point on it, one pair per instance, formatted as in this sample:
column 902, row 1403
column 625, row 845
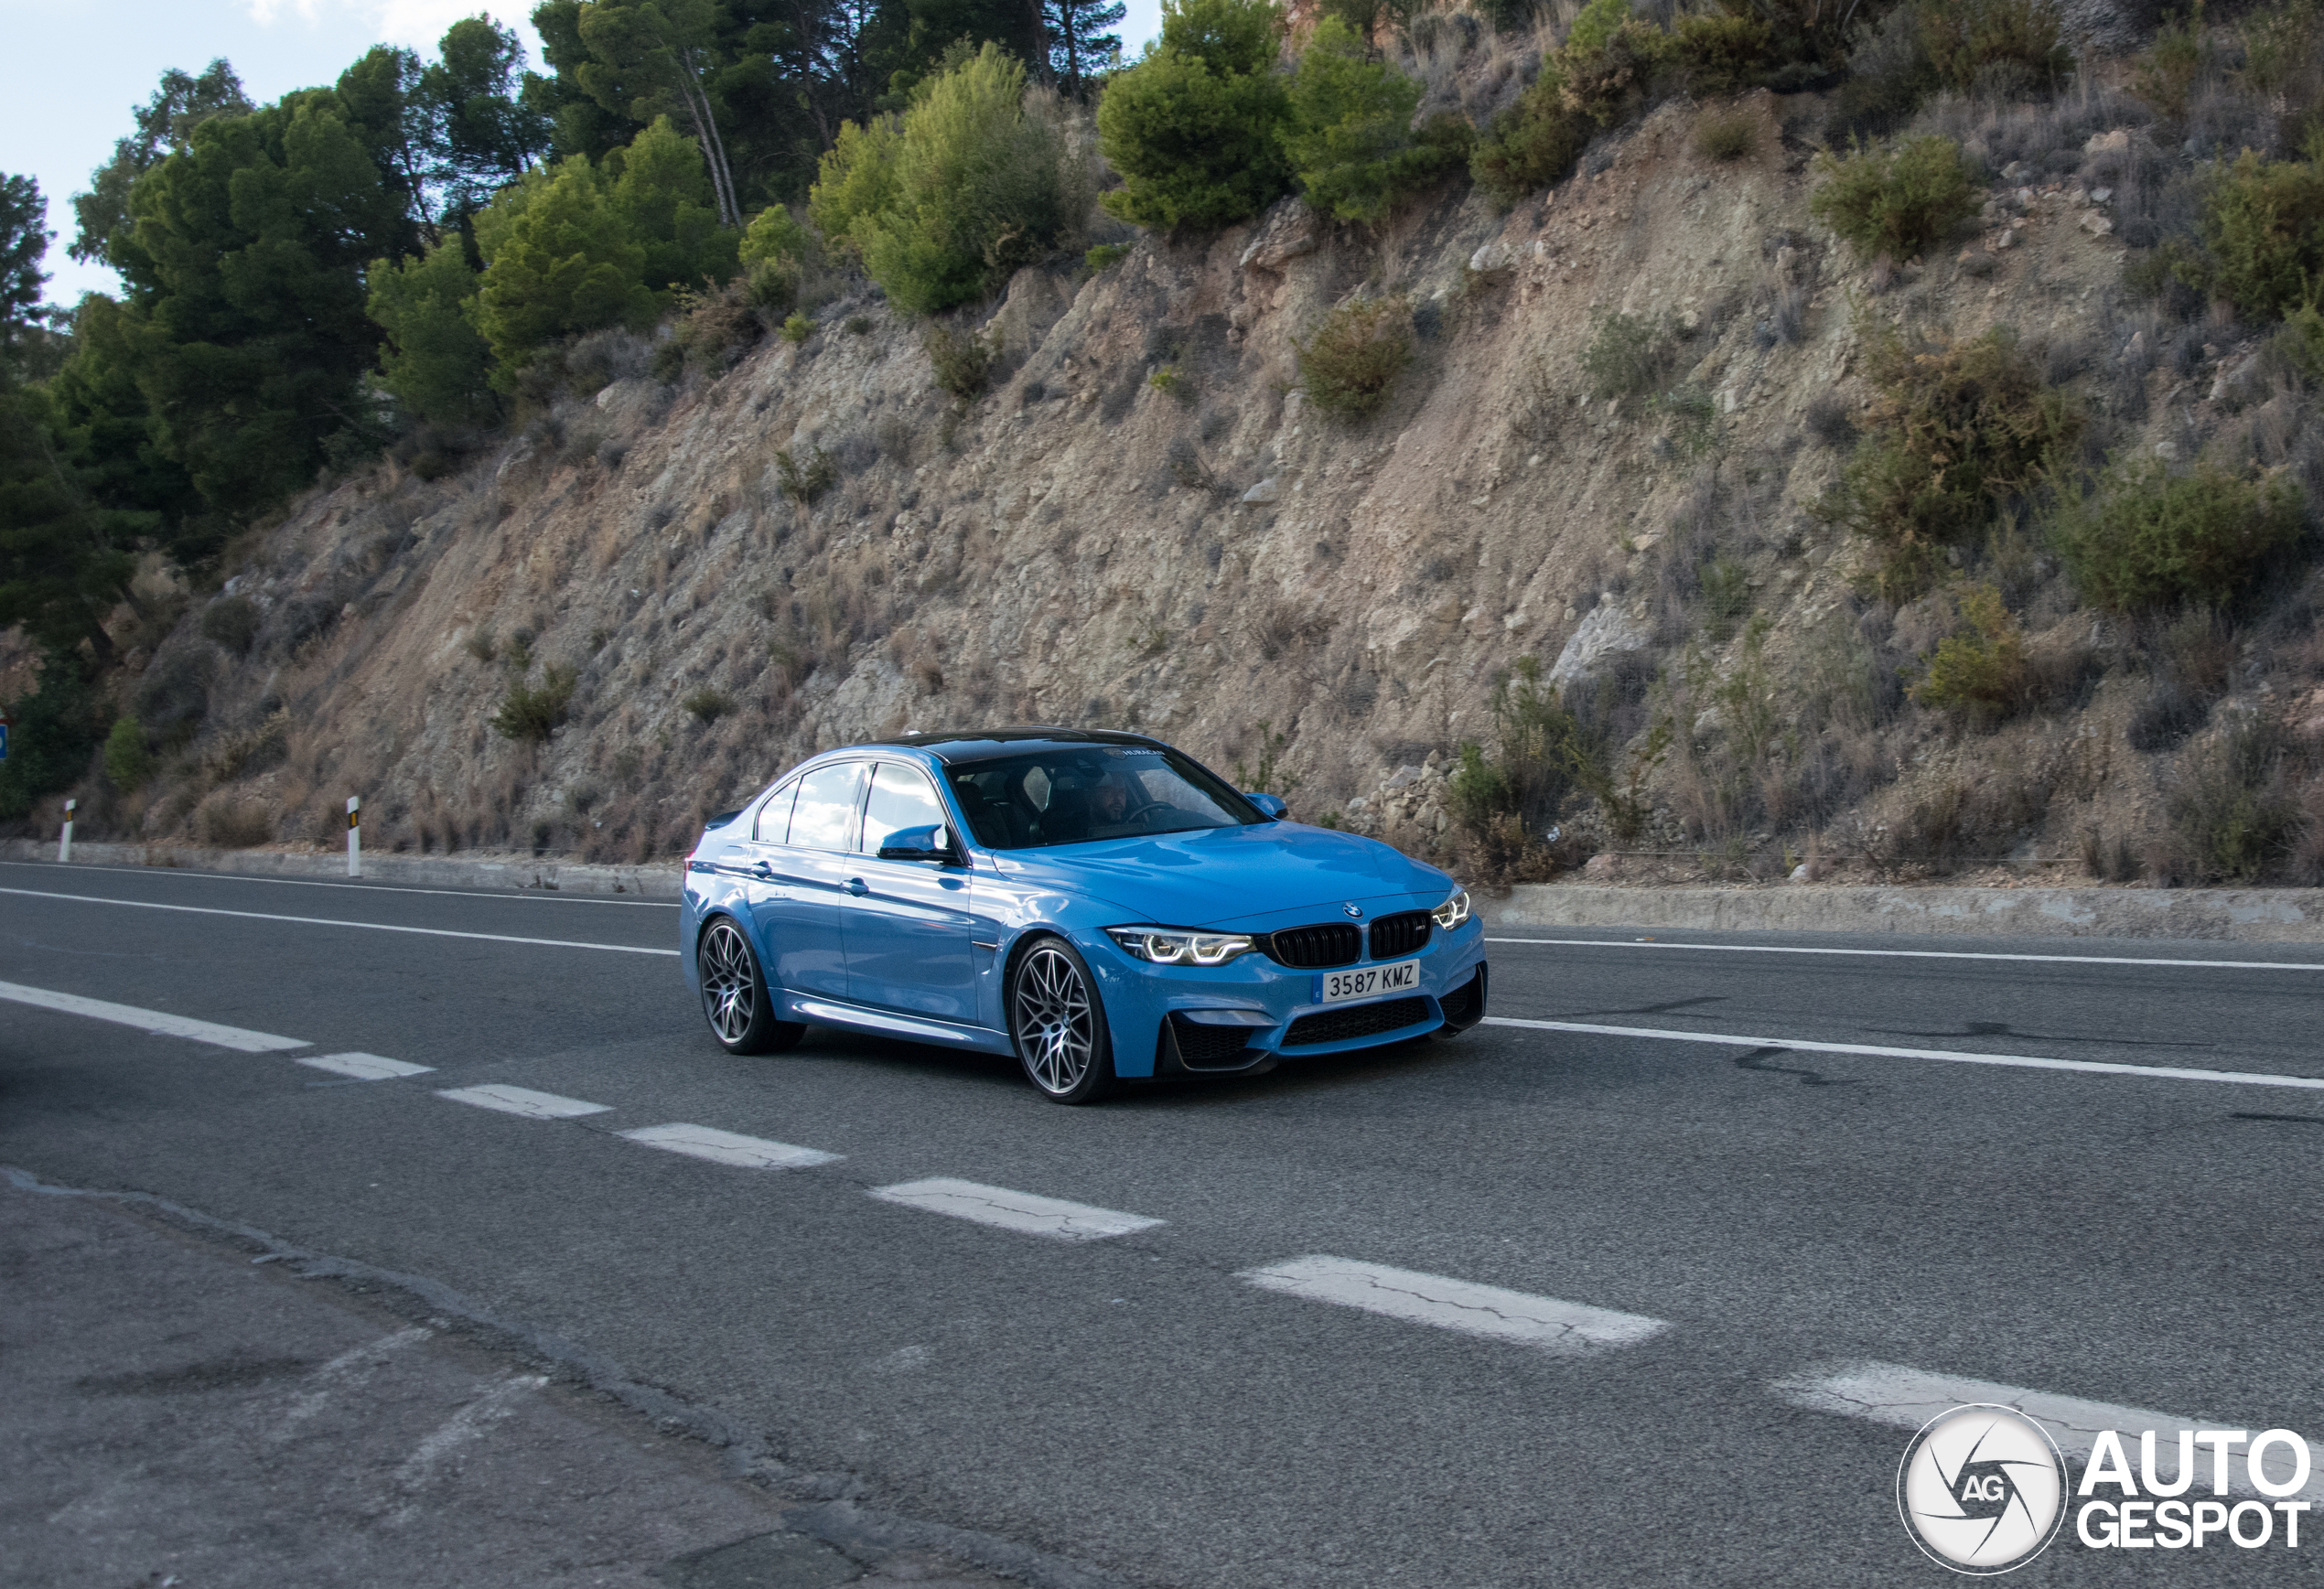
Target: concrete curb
column 657, row 880
column 2247, row 915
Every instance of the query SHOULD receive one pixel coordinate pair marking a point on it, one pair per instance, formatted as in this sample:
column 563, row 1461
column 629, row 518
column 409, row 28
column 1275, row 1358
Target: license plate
column 1370, row 981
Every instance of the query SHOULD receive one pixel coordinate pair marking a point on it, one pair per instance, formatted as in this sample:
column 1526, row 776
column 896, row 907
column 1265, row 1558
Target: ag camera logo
column 1981, row 1489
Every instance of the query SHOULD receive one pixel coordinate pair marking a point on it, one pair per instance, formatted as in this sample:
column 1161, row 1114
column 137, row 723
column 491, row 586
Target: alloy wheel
column 729, row 983
column 1056, row 1026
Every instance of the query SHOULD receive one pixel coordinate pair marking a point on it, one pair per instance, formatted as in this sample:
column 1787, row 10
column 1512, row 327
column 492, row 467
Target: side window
column 901, row 797
column 774, row 817
column 824, row 816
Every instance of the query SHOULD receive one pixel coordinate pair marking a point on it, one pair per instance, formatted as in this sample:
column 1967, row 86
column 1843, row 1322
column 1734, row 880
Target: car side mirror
column 1272, row 806
column 928, row 843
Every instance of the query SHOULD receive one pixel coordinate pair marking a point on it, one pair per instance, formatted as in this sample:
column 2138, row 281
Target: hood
column 1219, row 876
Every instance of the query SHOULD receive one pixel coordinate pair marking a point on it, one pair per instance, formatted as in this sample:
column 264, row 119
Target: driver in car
column 1111, row 801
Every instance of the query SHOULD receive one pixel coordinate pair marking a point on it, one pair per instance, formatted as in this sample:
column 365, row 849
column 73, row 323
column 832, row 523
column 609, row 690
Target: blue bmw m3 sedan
column 1102, row 905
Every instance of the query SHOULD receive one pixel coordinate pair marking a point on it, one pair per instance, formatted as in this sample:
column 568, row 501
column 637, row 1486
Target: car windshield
column 1075, row 794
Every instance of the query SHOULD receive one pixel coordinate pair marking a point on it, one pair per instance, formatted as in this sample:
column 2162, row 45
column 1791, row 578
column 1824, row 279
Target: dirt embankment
column 1202, row 556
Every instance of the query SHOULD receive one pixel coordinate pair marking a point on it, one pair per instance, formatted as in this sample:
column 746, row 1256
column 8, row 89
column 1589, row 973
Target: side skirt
column 824, row 1012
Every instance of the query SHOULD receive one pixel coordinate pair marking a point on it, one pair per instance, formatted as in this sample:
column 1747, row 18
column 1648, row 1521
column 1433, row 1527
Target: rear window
column 1082, row 794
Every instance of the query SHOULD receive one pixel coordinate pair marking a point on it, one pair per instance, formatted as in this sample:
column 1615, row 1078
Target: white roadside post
column 354, row 835
column 64, row 840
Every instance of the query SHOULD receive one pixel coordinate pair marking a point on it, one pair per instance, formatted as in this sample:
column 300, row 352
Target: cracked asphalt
column 1130, row 1410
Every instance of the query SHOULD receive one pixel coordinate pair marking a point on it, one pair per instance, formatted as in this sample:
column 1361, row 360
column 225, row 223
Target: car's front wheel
column 1059, row 1024
column 736, row 999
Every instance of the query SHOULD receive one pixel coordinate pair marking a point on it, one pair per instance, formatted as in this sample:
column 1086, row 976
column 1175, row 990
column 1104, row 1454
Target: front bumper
column 1245, row 1016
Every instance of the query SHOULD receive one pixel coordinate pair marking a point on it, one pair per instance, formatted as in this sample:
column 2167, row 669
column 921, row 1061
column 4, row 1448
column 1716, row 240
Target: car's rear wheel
column 736, row 999
column 1058, row 1024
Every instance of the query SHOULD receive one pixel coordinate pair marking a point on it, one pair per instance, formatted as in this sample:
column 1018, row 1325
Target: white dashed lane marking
column 1542, row 1322
column 158, row 1022
column 333, row 921
column 366, row 1066
column 1948, row 1055
column 1904, row 1397
column 522, row 1100
column 726, row 1147
column 1010, row 1211
column 2282, row 965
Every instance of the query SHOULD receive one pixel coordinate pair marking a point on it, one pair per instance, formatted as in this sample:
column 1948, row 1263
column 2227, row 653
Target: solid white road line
column 1879, row 1051
column 522, row 1100
column 366, row 1066
column 1905, row 1398
column 1544, row 1322
column 2294, row 965
column 156, row 1022
column 1014, row 1210
column 545, row 896
column 328, row 922
column 725, row 1147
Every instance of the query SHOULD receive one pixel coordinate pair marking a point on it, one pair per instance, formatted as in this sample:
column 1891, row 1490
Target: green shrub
column 435, row 361
column 57, row 726
column 1608, row 63
column 2232, row 808
column 708, row 705
column 1897, row 201
column 1726, row 134
column 971, row 184
column 1627, row 354
column 962, row 361
column 2164, row 73
column 1723, row 52
column 804, row 482
column 127, row 761
column 1350, row 365
column 858, row 325
column 1727, row 593
column 1104, row 258
column 1195, row 127
column 530, row 714
column 775, row 254
column 1531, row 145
column 1989, row 46
column 659, row 192
column 1350, row 140
column 1982, row 669
column 2263, row 230
column 558, row 259
column 797, row 329
column 1956, row 429
column 2149, row 537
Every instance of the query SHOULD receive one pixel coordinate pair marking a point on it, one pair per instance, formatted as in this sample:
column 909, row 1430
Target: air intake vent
column 1316, row 947
column 1394, row 936
column 1207, row 1048
column 1362, row 1021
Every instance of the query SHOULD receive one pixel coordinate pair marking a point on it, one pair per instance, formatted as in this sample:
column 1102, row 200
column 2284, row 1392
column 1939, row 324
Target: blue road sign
column 4, row 739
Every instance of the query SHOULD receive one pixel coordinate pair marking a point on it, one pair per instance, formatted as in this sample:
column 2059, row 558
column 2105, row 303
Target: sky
column 81, row 65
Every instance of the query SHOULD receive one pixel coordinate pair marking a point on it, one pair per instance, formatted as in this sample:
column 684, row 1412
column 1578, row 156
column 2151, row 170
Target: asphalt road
column 1763, row 1214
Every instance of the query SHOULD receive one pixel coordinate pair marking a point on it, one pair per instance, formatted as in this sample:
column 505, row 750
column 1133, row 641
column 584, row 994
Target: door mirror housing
column 928, row 843
column 1272, row 806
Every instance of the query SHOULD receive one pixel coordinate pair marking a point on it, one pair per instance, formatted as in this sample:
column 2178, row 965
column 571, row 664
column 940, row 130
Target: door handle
column 857, row 886
column 760, row 869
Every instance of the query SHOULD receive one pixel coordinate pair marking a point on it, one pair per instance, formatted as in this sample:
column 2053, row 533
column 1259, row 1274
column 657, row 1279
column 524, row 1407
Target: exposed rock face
column 1288, row 233
column 1607, row 630
column 810, row 549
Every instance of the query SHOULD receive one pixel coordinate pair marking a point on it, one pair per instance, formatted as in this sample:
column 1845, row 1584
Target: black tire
column 735, row 997
column 1058, row 1024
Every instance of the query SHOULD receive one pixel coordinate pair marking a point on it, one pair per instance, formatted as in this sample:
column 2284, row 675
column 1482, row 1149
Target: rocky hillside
column 650, row 600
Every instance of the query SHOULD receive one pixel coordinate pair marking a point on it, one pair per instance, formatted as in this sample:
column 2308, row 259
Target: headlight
column 1453, row 911
column 1176, row 946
